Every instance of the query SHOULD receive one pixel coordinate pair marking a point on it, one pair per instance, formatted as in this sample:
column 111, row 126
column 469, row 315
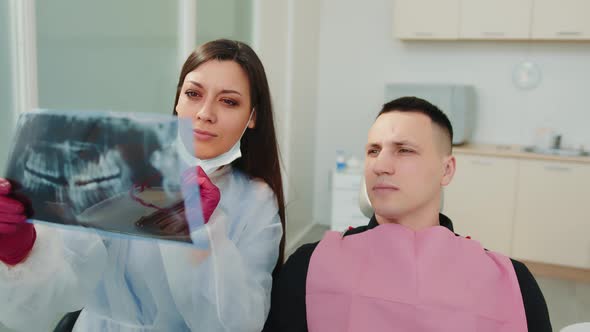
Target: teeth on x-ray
column 77, row 171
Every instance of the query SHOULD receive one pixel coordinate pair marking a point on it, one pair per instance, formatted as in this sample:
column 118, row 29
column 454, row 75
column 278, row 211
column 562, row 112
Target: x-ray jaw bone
column 113, row 172
column 80, row 173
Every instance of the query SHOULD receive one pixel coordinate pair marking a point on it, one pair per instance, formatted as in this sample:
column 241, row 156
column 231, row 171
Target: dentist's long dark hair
column 260, row 152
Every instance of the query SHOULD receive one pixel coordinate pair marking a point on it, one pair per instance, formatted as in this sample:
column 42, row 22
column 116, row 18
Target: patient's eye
column 406, row 150
column 372, row 152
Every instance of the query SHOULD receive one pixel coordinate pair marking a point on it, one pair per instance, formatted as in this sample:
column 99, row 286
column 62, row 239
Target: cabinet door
column 561, row 19
column 552, row 221
column 495, row 19
column 426, row 19
column 480, row 200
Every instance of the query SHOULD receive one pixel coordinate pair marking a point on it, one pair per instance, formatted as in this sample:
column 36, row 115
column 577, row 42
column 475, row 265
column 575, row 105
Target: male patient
column 406, row 270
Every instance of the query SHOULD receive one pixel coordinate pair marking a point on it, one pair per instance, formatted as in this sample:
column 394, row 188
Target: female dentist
column 221, row 284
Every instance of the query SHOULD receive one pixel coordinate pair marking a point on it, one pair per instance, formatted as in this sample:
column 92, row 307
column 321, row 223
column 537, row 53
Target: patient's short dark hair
column 418, row 105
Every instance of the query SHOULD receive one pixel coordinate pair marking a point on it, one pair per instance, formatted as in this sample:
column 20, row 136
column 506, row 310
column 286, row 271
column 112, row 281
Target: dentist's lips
column 203, row 135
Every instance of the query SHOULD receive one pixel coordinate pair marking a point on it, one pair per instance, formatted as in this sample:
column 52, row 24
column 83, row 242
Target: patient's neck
column 422, row 218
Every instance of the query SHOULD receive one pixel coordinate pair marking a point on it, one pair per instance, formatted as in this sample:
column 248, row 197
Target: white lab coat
column 145, row 285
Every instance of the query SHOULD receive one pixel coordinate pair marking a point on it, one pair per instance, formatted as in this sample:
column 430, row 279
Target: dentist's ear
column 252, row 122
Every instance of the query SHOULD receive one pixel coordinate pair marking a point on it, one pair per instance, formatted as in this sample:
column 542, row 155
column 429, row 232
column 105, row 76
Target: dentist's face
column 216, row 97
column 405, row 164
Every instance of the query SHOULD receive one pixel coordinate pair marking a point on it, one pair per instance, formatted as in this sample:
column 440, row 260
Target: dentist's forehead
column 220, row 75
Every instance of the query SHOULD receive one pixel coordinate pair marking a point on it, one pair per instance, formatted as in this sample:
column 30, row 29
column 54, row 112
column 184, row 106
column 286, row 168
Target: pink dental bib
column 391, row 278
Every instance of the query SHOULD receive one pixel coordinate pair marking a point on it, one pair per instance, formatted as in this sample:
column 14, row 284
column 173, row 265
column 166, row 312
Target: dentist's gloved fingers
column 8, row 228
column 10, row 206
column 210, row 194
column 9, row 218
column 5, row 186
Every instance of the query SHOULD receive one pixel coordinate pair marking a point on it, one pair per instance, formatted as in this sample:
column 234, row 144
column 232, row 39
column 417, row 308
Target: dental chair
column 579, row 327
column 66, row 324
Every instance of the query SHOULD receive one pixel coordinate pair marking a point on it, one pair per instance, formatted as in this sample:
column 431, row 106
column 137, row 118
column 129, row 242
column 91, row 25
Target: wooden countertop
column 513, row 151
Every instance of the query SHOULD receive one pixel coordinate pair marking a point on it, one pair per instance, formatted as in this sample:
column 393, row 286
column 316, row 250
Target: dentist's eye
column 229, row 102
column 192, row 94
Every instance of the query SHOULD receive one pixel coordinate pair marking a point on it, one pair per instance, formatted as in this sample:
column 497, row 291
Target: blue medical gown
column 143, row 285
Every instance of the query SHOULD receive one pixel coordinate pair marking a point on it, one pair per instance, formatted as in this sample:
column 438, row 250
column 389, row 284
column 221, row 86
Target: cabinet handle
column 424, row 34
column 554, row 168
column 483, row 162
column 569, row 33
column 493, row 33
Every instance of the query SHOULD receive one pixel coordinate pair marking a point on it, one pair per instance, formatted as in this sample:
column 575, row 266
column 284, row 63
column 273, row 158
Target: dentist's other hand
column 16, row 235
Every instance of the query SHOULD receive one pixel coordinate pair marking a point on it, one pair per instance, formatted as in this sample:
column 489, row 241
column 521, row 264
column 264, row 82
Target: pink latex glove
column 210, row 194
column 16, row 235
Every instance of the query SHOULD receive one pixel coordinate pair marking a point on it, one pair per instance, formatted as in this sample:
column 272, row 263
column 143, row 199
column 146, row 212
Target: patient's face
column 404, row 164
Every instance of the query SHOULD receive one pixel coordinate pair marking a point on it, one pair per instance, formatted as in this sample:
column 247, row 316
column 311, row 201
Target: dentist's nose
column 206, row 112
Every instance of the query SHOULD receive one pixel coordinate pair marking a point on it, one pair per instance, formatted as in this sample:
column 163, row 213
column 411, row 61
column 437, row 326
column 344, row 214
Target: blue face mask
column 209, row 165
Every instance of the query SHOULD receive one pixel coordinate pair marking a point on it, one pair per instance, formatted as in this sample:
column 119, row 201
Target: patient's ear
column 449, row 166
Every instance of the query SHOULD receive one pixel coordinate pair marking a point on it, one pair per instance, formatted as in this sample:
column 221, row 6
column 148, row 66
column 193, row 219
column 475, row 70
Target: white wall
column 359, row 55
column 270, row 43
column 304, row 51
column 286, row 38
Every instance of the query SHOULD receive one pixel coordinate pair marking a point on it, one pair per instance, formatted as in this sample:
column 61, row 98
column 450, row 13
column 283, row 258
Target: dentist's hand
column 209, row 193
column 173, row 220
column 16, row 235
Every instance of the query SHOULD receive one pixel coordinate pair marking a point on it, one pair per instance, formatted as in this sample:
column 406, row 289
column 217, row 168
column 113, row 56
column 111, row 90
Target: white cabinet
column 561, row 19
column 480, row 200
column 492, row 19
column 345, row 201
column 552, row 220
column 536, row 210
column 495, row 19
column 426, row 19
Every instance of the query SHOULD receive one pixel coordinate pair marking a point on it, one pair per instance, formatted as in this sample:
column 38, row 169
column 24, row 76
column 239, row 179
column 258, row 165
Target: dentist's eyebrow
column 195, row 83
column 222, row 91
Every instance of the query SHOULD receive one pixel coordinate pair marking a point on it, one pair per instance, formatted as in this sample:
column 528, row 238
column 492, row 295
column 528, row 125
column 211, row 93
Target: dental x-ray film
column 118, row 173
